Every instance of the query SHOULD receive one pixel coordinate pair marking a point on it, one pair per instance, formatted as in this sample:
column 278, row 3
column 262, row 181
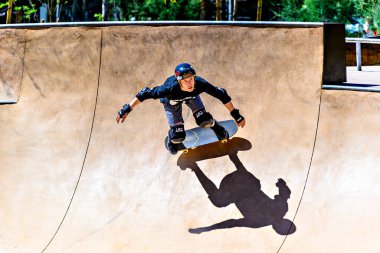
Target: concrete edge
column 165, row 23
column 375, row 88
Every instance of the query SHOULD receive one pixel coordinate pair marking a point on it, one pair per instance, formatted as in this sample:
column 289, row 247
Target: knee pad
column 177, row 134
column 203, row 118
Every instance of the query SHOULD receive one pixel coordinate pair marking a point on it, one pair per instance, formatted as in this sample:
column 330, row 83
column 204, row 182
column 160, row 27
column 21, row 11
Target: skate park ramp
column 300, row 177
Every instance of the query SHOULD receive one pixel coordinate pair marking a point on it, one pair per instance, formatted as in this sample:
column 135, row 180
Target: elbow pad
column 143, row 94
column 225, row 98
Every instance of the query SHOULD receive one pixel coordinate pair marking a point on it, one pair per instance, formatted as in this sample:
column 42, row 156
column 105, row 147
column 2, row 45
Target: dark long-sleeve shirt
column 170, row 91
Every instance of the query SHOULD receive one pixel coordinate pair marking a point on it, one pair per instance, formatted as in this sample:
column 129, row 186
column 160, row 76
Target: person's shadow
column 241, row 188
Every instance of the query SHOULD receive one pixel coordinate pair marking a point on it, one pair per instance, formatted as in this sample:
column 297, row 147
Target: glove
column 125, row 110
column 236, row 115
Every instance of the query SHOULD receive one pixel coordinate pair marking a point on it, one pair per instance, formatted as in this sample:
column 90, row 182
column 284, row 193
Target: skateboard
column 200, row 136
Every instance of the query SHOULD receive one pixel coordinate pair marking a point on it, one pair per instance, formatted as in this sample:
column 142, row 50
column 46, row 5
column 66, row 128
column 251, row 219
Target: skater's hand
column 122, row 114
column 239, row 119
column 118, row 118
column 241, row 124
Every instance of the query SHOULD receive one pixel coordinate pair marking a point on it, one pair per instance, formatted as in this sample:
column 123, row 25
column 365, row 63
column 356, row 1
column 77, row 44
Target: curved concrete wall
column 75, row 181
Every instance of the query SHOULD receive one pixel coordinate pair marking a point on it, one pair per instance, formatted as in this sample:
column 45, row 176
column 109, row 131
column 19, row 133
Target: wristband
column 125, row 110
column 236, row 115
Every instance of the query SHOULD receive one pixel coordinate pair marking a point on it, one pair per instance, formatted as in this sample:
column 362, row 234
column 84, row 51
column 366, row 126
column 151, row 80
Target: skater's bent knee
column 177, row 134
column 203, row 118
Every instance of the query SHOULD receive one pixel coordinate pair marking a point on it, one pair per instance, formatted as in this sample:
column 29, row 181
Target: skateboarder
column 184, row 87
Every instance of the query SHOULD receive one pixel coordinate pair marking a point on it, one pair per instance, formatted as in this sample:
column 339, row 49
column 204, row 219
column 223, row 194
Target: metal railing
column 359, row 42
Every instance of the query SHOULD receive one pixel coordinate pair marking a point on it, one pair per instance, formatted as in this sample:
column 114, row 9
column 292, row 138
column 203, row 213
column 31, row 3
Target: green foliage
column 162, row 9
column 325, row 10
column 316, row 10
column 369, row 9
column 98, row 17
column 287, row 10
column 25, row 7
column 26, row 10
column 340, row 11
column 328, row 10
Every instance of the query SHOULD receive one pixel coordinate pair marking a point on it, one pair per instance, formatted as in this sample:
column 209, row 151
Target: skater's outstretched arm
column 145, row 93
column 127, row 108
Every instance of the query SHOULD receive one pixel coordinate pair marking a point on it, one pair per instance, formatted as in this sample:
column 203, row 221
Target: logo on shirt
column 177, row 101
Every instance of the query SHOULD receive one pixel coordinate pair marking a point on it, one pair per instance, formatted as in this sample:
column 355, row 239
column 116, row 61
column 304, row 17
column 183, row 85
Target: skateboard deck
column 199, row 136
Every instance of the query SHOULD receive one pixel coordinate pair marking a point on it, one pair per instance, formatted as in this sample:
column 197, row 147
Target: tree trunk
column 218, row 14
column 104, row 7
column 9, row 12
column 73, row 10
column 203, row 10
column 235, row 10
column 84, row 10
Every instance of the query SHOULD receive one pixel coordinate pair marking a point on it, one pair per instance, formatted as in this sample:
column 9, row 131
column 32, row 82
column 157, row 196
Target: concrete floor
column 368, row 75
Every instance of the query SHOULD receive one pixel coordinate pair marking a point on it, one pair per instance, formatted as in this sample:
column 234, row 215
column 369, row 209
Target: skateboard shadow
column 241, row 188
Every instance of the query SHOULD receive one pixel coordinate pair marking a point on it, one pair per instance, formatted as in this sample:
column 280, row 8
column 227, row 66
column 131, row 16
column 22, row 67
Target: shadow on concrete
column 241, row 188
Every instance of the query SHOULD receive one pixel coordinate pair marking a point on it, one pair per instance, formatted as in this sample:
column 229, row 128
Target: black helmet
column 184, row 70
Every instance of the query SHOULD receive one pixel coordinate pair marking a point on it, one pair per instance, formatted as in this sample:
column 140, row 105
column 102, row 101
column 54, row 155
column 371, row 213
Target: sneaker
column 220, row 132
column 171, row 147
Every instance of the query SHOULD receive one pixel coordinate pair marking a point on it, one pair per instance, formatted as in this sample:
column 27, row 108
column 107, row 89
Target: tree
column 162, row 9
column 328, row 10
column 286, row 10
column 341, row 11
column 23, row 10
column 315, row 10
column 369, row 9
